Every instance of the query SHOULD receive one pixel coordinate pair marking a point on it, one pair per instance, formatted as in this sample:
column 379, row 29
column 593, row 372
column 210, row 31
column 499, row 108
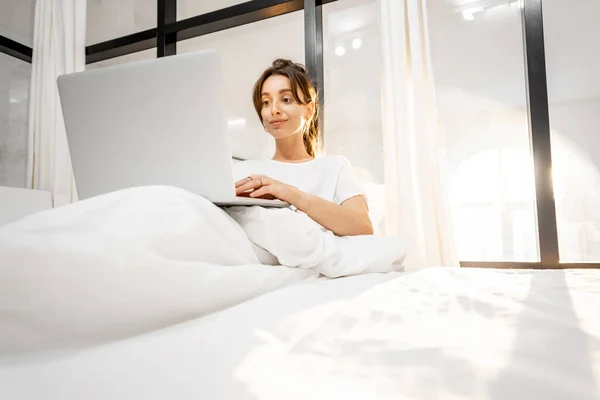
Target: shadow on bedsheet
column 550, row 358
column 361, row 344
column 547, row 358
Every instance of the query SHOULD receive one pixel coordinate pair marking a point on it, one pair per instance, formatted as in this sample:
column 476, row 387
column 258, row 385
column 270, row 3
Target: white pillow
column 299, row 242
column 376, row 197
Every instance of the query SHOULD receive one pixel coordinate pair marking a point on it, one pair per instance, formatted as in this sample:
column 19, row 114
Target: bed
column 438, row 333
column 434, row 333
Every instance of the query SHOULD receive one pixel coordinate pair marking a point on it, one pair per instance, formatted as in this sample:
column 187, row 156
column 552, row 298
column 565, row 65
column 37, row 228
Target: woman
column 324, row 188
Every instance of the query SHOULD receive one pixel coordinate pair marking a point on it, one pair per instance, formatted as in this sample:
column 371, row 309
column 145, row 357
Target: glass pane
column 110, row 19
column 352, row 48
column 141, row 55
column 14, row 97
column 192, row 8
column 16, row 20
column 479, row 235
column 478, row 65
column 246, row 51
column 572, row 35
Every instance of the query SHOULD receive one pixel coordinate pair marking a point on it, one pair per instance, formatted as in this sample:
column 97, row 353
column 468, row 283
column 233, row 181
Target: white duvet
column 145, row 258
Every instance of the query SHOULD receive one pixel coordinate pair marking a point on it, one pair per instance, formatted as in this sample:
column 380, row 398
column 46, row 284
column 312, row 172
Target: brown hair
column 299, row 79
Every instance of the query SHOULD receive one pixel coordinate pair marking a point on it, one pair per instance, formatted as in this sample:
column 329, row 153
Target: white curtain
column 58, row 48
column 416, row 204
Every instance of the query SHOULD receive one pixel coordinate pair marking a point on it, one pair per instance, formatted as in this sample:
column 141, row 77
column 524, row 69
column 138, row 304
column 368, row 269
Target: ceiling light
column 468, row 16
column 340, row 50
column 518, row 4
column 356, row 43
column 469, row 13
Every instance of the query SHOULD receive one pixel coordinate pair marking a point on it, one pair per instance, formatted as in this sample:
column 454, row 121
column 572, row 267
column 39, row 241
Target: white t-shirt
column 329, row 177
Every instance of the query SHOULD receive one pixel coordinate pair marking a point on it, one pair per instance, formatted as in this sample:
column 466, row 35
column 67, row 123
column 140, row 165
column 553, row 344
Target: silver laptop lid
column 155, row 122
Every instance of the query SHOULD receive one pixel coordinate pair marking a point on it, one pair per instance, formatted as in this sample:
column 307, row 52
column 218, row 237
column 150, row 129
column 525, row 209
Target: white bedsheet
column 438, row 333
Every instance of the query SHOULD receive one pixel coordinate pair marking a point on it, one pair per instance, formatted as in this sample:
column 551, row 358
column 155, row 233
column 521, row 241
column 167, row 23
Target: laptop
column 154, row 122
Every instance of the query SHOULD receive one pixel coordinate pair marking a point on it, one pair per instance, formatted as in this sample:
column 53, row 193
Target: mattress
column 437, row 333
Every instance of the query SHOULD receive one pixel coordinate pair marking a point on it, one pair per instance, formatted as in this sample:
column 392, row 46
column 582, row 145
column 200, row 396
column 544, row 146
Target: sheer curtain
column 58, row 48
column 416, row 203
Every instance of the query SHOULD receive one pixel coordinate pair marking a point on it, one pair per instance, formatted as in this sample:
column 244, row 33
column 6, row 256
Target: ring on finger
column 261, row 184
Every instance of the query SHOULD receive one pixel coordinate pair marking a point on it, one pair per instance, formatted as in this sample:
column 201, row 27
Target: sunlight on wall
column 491, row 193
column 577, row 193
column 491, row 190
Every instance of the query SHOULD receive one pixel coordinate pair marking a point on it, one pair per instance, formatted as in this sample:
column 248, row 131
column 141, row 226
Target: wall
column 16, row 23
column 481, row 91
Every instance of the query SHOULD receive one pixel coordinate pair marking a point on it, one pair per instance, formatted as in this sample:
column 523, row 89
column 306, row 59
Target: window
column 139, row 56
column 16, row 20
column 490, row 194
column 192, row 8
column 16, row 23
column 110, row 19
column 572, row 34
column 351, row 54
column 14, row 96
column 478, row 65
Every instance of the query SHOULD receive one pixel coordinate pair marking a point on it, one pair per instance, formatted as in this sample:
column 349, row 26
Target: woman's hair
column 299, row 80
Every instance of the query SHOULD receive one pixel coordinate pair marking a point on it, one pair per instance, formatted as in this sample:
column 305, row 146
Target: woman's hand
column 262, row 186
column 349, row 218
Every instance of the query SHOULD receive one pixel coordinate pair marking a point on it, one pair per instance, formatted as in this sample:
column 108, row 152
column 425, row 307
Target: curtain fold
column 58, row 48
column 416, row 201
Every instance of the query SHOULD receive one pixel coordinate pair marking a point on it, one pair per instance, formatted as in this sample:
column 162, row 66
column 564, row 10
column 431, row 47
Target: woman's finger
column 250, row 185
column 242, row 181
column 257, row 178
column 244, row 188
column 248, row 179
column 262, row 178
column 261, row 192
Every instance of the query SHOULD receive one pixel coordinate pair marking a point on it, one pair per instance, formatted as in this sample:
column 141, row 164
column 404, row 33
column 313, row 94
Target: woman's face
column 282, row 115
